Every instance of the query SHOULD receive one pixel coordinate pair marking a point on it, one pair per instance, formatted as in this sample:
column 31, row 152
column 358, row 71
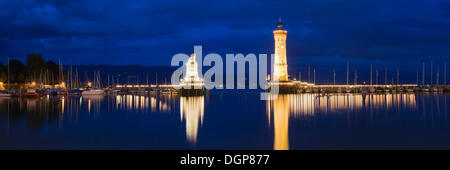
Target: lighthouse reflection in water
column 191, row 110
column 227, row 121
column 285, row 107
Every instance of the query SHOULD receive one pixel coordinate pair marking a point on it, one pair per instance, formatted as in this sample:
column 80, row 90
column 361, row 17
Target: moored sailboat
column 5, row 94
column 93, row 92
column 31, row 92
column 96, row 90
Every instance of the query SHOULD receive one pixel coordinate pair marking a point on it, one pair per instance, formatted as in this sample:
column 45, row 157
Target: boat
column 323, row 90
column 5, row 94
column 113, row 91
column 93, row 92
column 75, row 92
column 133, row 91
column 96, row 88
column 153, row 91
column 166, row 91
column 434, row 89
column 410, row 90
column 364, row 90
column 308, row 90
column 425, row 89
column 372, row 89
column 31, row 93
column 416, row 88
column 122, row 92
column 348, row 90
column 141, row 91
column 316, row 90
column 52, row 92
column 61, row 91
column 339, row 90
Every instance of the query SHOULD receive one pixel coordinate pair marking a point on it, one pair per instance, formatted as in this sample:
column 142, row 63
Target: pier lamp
column 33, row 83
column 63, row 85
column 89, row 84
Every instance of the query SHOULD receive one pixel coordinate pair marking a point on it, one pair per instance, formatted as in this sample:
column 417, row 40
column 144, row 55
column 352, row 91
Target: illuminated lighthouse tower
column 280, row 65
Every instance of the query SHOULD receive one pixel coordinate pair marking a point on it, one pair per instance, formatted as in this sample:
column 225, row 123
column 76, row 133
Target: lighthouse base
column 191, row 92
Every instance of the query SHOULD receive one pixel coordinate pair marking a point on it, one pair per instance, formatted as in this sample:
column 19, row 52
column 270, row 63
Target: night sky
column 321, row 33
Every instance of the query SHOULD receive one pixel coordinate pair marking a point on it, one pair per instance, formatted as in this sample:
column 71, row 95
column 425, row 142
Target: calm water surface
column 227, row 121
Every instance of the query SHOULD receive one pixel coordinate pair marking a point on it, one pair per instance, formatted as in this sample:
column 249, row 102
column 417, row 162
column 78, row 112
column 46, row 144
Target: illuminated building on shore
column 280, row 65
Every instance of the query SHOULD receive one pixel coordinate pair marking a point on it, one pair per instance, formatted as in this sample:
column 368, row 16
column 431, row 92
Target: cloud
column 150, row 32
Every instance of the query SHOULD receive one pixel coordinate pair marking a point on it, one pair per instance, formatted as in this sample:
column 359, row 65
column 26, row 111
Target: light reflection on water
column 150, row 119
column 285, row 107
column 310, row 104
column 192, row 110
column 136, row 103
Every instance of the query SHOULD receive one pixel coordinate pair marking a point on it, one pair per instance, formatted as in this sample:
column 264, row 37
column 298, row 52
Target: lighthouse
column 192, row 71
column 280, row 65
column 192, row 84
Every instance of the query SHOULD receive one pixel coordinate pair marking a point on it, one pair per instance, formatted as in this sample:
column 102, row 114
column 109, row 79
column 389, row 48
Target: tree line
column 35, row 69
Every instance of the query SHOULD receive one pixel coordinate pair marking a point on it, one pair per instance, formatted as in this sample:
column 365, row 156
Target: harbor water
column 236, row 120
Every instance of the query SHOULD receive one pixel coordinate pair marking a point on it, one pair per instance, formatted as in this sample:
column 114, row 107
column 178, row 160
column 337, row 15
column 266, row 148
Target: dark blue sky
column 150, row 32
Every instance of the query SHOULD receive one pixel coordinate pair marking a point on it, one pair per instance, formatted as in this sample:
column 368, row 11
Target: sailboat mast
column 437, row 76
column 314, row 76
column 76, row 78
column 423, row 73
column 431, row 72
column 59, row 71
column 99, row 80
column 376, row 76
column 9, row 82
column 112, row 80
column 347, row 72
column 385, row 76
column 417, row 76
column 108, row 81
column 300, row 76
column 309, row 74
column 445, row 73
column 334, row 76
column 371, row 74
column 398, row 77
column 94, row 81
